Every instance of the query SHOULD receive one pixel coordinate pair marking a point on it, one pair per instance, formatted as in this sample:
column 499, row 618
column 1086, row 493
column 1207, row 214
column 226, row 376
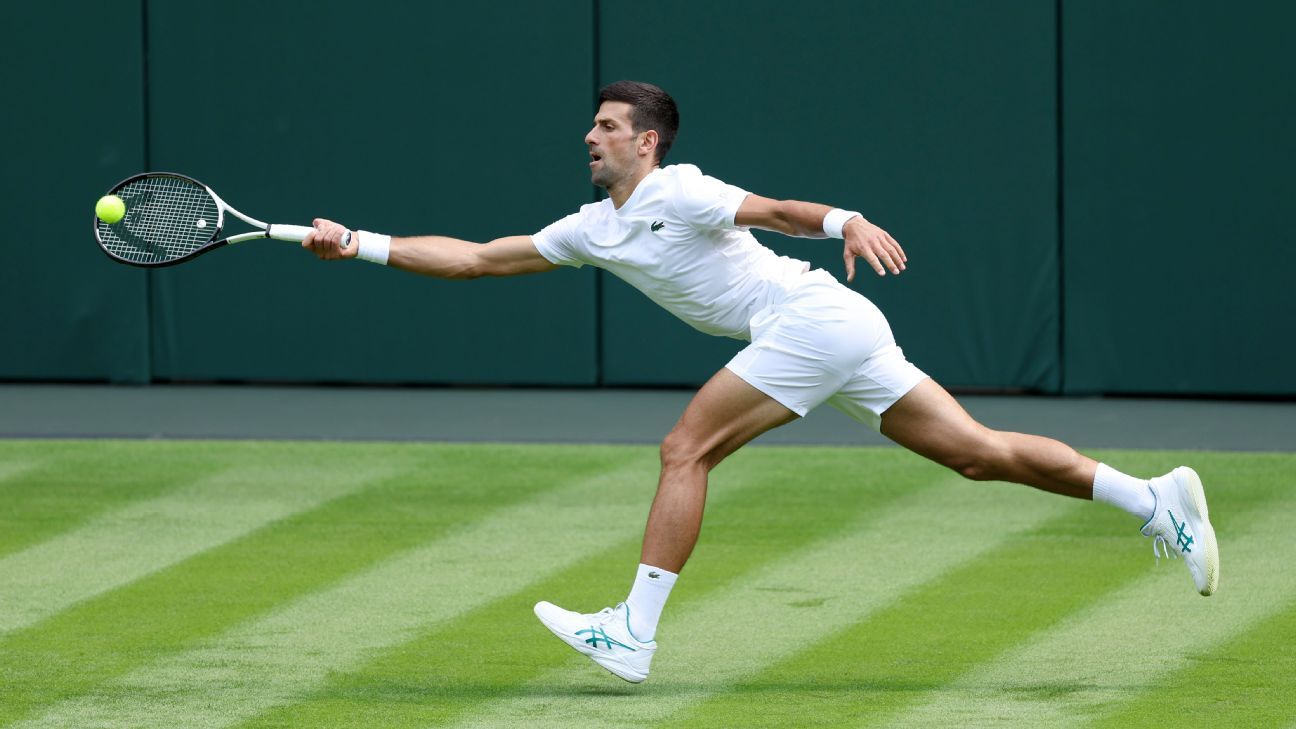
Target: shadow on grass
column 411, row 693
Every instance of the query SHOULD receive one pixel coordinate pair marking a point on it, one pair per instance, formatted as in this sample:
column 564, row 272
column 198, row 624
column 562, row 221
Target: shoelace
column 1165, row 548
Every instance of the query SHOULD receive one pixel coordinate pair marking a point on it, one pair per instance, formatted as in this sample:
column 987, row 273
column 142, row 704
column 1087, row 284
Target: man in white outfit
column 682, row 238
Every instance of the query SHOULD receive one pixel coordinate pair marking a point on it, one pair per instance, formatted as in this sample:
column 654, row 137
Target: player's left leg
column 930, row 422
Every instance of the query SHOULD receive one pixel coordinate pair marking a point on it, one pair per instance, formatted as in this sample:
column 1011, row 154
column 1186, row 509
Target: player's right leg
column 930, row 422
column 724, row 415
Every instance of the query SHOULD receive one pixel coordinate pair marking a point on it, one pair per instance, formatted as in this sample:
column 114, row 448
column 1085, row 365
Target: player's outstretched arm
column 437, row 255
column 806, row 220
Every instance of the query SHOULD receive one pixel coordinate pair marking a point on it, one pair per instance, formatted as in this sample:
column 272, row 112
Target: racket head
column 170, row 218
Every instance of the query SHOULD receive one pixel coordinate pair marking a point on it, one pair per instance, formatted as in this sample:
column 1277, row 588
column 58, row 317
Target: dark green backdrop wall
column 1180, row 183
column 1093, row 195
column 73, row 116
column 409, row 121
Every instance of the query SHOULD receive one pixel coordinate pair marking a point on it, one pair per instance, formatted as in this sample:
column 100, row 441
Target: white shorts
column 825, row 342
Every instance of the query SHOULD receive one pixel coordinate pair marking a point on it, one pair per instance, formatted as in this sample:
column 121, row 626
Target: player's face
column 612, row 144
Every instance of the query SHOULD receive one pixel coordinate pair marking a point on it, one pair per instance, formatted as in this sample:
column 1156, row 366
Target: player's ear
column 648, row 143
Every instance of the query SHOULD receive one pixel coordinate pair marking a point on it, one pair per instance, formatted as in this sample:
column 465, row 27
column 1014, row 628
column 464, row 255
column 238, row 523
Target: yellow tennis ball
column 110, row 209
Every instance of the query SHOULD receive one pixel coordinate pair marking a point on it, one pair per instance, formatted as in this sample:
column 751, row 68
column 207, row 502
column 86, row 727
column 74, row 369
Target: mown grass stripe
column 884, row 665
column 1253, row 675
column 440, row 490
column 12, row 467
column 69, row 484
column 878, row 666
column 143, row 537
column 760, row 502
column 465, row 668
column 291, row 651
column 789, row 604
column 1125, row 644
column 866, row 674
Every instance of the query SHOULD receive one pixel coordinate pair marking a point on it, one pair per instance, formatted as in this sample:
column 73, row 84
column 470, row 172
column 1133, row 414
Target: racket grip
column 288, row 232
column 298, row 233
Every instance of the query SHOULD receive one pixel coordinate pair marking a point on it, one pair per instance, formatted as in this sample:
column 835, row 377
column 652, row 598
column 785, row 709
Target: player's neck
column 621, row 191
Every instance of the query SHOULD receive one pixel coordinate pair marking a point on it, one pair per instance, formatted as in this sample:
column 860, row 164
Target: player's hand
column 326, row 241
column 876, row 246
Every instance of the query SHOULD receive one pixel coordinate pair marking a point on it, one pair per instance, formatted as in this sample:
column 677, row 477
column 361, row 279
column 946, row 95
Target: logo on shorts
column 658, row 225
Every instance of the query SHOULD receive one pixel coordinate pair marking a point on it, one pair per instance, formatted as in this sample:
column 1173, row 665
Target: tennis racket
column 172, row 218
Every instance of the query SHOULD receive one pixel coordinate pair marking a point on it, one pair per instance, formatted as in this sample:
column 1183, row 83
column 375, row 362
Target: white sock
column 1126, row 492
column 652, row 586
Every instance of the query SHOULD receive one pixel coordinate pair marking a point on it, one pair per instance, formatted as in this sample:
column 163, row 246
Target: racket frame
column 291, row 233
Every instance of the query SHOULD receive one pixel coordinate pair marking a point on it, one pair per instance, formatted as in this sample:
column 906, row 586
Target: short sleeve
column 557, row 241
column 705, row 202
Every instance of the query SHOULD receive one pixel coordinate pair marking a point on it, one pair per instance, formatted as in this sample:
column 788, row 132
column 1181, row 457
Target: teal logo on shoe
column 598, row 634
column 1184, row 539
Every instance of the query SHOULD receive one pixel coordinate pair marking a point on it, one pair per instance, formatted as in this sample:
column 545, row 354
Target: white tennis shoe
column 604, row 636
column 1180, row 526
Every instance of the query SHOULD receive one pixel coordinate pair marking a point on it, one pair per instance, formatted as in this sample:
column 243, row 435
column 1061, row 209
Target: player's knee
column 678, row 450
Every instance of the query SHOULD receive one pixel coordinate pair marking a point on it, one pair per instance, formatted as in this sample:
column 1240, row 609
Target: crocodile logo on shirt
column 658, row 225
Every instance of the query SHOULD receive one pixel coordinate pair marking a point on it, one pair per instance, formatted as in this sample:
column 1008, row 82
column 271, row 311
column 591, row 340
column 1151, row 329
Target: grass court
column 258, row 584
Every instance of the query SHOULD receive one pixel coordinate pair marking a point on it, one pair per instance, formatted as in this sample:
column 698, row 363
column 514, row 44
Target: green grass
column 320, row 584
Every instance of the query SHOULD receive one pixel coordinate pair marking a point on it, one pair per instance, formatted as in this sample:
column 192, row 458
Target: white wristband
column 373, row 247
column 836, row 219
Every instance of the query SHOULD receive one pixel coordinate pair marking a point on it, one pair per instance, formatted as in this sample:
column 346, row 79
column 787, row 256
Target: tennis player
column 682, row 238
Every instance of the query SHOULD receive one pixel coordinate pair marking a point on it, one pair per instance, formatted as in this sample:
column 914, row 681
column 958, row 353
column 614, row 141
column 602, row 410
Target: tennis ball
column 110, row 209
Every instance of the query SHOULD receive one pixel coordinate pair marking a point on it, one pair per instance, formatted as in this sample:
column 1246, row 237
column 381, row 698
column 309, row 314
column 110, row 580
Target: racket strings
column 167, row 218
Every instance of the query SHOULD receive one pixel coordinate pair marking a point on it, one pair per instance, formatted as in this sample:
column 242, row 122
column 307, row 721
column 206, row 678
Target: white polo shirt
column 675, row 240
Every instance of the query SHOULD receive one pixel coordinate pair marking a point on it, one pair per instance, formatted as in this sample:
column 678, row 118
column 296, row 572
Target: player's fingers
column 325, row 232
column 873, row 261
column 896, row 243
column 893, row 253
column 317, row 240
column 884, row 259
column 850, row 266
column 330, row 236
column 319, row 245
column 899, row 262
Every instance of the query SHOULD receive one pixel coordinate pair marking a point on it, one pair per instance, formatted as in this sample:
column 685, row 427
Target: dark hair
column 650, row 108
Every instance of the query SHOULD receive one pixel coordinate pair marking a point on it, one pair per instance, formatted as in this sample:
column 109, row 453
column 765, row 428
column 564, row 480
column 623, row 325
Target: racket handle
column 298, row 233
column 288, row 232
